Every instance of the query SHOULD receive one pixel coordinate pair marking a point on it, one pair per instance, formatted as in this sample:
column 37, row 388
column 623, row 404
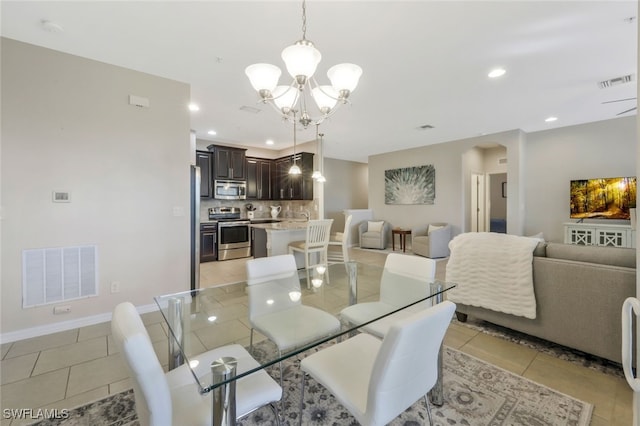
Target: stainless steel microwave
column 230, row 189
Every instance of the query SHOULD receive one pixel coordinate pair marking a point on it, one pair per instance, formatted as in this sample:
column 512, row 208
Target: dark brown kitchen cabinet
column 258, row 178
column 208, row 242
column 228, row 162
column 203, row 160
column 294, row 187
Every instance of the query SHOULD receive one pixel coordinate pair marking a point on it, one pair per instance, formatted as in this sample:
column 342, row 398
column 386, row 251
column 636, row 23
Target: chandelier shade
column 344, row 76
column 301, row 60
column 326, row 98
column 263, row 76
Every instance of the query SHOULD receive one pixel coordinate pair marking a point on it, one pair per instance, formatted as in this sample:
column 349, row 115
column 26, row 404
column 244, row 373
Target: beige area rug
column 476, row 394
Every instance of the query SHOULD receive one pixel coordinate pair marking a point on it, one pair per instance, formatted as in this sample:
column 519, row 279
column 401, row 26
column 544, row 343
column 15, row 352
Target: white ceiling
column 424, row 62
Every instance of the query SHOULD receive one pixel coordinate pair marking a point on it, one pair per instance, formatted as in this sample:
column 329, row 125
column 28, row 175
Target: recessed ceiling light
column 497, row 72
column 212, row 132
column 269, row 142
column 194, row 107
column 550, row 119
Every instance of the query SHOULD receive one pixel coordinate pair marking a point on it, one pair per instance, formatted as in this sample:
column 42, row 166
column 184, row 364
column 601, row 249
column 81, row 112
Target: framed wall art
column 410, row 185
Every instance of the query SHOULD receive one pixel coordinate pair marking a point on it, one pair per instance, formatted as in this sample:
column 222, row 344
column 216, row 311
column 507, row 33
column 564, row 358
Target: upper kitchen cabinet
column 228, row 162
column 203, row 160
column 258, row 178
column 294, row 187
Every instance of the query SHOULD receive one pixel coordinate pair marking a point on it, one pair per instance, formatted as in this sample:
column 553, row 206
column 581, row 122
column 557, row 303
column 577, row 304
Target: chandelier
column 301, row 60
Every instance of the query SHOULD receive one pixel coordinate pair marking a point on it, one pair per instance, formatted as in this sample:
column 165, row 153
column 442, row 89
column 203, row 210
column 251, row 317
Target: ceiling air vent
column 616, row 81
column 252, row 110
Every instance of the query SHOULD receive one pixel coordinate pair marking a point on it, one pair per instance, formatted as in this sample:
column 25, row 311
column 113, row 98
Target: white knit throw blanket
column 493, row 271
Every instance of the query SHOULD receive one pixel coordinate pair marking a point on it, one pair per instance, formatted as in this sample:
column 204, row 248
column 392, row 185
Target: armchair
column 374, row 234
column 432, row 240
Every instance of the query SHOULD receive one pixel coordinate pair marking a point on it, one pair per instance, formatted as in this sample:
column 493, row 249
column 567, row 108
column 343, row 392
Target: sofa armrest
column 440, row 237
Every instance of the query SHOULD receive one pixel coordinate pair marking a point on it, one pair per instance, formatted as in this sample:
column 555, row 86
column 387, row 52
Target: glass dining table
column 207, row 318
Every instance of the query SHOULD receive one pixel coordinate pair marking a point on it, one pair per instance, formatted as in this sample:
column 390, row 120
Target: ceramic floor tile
column 152, row 317
column 36, row 344
column 156, row 332
column 68, row 355
column 588, row 385
column 18, row 368
column 4, row 348
column 93, row 331
column 94, row 374
column 504, row 354
column 36, row 391
column 223, row 334
column 458, row 336
column 120, row 386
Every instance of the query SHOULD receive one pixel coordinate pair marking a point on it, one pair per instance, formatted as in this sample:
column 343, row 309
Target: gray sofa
column 579, row 294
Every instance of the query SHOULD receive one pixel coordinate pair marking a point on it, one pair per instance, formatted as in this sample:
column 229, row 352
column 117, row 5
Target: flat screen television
column 603, row 198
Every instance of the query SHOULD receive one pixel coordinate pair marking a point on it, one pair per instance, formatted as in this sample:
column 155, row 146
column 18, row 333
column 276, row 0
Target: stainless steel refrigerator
column 195, row 227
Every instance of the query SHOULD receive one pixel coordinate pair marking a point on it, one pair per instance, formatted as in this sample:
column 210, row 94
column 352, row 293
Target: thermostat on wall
column 61, row 197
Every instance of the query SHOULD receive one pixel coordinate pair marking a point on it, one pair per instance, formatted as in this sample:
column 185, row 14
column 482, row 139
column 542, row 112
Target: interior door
column 478, row 203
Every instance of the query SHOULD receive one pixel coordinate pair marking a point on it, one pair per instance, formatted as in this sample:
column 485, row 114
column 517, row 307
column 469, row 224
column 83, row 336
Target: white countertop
column 284, row 225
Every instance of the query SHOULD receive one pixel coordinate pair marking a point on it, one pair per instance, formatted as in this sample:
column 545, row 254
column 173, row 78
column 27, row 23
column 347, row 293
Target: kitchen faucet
column 306, row 214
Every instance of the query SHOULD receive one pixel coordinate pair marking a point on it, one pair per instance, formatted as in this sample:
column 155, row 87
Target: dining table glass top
column 206, row 318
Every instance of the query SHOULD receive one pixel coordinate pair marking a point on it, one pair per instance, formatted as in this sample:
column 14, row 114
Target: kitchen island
column 272, row 239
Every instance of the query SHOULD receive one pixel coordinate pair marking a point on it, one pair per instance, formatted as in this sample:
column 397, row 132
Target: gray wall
column 555, row 157
column 539, row 167
column 345, row 188
column 67, row 125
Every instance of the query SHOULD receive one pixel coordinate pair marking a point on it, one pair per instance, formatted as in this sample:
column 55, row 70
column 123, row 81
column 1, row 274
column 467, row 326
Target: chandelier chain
column 304, row 19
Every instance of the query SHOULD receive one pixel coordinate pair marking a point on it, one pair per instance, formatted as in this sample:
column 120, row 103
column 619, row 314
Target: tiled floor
column 71, row 368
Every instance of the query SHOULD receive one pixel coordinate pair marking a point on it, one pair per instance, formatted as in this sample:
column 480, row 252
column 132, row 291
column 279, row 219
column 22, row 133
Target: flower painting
column 410, row 185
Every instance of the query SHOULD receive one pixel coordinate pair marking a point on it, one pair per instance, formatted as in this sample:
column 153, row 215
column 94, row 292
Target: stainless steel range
column 234, row 235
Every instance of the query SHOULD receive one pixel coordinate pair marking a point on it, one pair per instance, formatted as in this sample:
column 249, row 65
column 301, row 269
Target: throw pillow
column 375, row 226
column 433, row 228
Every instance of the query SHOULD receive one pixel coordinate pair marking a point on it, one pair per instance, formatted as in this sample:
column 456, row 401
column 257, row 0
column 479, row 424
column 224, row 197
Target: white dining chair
column 376, row 380
column 405, row 279
column 340, row 240
column 315, row 244
column 173, row 398
column 276, row 309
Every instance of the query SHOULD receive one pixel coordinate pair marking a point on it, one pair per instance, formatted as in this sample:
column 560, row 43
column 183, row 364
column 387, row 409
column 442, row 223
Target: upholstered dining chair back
column 273, row 284
column 405, row 368
column 406, row 278
column 150, row 386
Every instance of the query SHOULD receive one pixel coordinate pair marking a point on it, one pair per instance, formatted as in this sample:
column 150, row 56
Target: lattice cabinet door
column 613, row 238
column 581, row 236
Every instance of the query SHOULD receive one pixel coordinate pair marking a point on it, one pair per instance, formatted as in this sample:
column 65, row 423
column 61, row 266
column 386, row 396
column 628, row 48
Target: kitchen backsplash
column 290, row 209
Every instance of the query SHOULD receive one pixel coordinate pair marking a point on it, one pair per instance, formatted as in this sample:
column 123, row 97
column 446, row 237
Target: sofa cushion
column 616, row 256
column 375, row 226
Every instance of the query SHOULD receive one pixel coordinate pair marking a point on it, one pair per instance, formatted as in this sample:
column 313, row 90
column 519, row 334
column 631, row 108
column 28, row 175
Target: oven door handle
column 230, row 224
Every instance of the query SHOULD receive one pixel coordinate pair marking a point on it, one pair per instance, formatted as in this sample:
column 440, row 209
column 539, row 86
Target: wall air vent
column 502, row 161
column 51, row 275
column 616, row 81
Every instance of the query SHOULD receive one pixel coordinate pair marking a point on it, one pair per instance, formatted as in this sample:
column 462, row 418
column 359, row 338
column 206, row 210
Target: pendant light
column 294, row 170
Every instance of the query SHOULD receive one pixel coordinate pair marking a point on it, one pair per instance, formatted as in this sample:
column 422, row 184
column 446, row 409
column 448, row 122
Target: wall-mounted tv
column 603, row 198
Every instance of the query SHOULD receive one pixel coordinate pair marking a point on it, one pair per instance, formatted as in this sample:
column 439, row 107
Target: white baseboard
column 57, row 327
